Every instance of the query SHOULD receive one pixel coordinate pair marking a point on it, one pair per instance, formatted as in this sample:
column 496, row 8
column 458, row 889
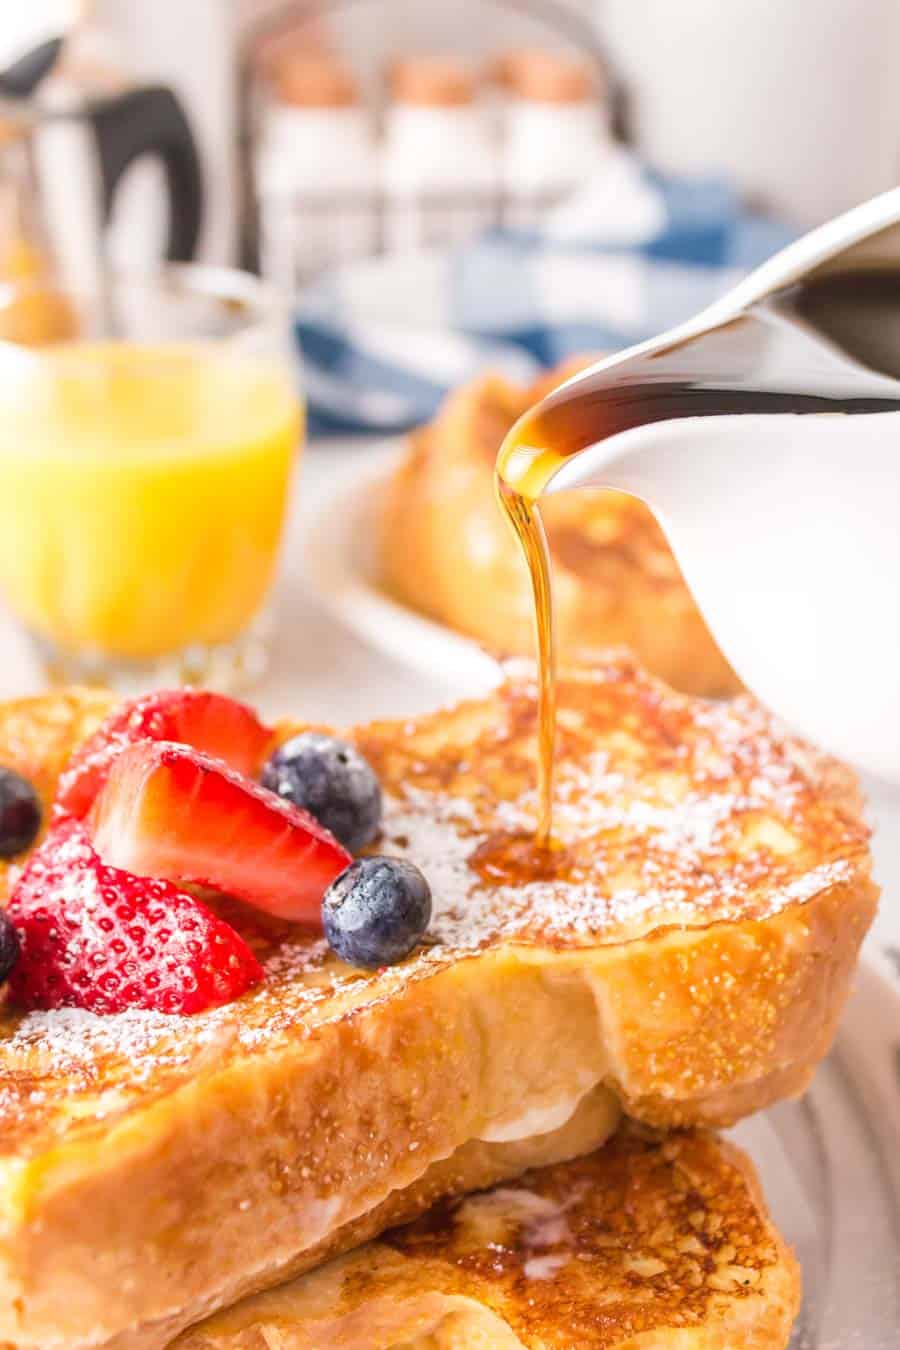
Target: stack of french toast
column 306, row 1044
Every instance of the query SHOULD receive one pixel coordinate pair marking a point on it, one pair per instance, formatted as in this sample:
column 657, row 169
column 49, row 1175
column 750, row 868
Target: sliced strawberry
column 95, row 937
column 209, row 722
column 168, row 811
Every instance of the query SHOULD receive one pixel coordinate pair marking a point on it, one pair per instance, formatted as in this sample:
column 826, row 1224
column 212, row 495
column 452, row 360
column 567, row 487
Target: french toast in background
column 447, row 552
column 644, row 1245
column 683, row 956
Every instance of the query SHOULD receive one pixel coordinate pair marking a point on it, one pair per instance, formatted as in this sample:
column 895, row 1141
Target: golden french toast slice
column 447, row 552
column 684, row 952
column 643, row 1245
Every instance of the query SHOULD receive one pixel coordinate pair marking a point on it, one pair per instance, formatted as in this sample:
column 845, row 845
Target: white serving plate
column 338, row 561
column 830, row 1168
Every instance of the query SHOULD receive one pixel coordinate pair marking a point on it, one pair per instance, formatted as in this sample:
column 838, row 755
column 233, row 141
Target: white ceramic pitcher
column 787, row 527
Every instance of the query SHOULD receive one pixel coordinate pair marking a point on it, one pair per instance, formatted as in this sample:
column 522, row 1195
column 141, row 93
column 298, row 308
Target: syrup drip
column 524, row 517
column 511, row 859
column 809, row 349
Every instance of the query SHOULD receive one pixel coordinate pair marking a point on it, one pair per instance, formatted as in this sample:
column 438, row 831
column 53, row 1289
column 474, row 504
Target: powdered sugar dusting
column 71, row 1037
column 680, row 843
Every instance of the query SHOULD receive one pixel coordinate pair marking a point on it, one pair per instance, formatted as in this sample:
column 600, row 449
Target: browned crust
column 751, row 1006
column 655, row 1244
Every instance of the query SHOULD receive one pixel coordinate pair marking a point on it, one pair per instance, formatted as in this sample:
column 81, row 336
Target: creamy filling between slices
column 537, row 1119
column 491, row 1219
column 339, row 1211
column 315, row 1310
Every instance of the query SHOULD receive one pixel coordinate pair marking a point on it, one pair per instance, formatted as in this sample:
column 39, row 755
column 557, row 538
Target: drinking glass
column 148, row 436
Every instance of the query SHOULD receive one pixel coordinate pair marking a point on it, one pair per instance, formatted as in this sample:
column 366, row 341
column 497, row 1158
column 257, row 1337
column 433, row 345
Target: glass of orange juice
column 148, row 436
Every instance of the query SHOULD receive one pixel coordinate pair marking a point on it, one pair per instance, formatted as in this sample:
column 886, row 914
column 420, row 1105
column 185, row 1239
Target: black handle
column 151, row 121
column 22, row 78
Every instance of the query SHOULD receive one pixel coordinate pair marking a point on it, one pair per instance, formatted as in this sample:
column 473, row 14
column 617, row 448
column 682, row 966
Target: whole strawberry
column 95, row 937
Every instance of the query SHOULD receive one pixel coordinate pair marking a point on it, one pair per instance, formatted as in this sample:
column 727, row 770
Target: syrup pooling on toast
column 809, row 349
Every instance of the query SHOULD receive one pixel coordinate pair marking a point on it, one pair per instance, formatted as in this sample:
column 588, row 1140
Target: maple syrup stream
column 767, row 360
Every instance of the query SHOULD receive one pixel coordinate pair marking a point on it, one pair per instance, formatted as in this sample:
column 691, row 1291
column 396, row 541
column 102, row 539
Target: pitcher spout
column 765, row 436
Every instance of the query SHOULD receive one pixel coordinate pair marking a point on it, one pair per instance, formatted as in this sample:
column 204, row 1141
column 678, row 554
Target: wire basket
column 292, row 236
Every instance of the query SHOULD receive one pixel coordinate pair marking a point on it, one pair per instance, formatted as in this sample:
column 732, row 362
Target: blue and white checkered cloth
column 629, row 256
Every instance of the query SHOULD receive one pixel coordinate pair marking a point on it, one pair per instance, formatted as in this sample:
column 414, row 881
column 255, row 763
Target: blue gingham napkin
column 626, row 257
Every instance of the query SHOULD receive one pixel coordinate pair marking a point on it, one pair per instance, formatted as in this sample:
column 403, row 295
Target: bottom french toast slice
column 687, row 947
column 644, row 1245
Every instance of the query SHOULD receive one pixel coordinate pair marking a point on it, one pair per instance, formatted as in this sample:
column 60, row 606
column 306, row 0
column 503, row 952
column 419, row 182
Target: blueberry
column 375, row 912
column 20, row 813
column 331, row 780
column 9, row 945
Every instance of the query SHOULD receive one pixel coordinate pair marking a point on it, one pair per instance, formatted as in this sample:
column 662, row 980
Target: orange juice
column 142, row 492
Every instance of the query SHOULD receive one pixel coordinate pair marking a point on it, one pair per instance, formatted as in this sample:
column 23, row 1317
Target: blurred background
column 229, row 227
column 754, row 94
